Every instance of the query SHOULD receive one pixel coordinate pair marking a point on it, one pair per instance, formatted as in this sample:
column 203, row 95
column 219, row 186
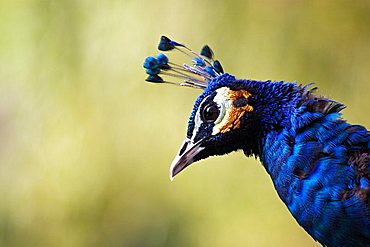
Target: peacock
column 319, row 163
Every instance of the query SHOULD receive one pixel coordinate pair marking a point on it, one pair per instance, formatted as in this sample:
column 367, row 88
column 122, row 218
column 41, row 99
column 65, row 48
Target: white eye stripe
column 197, row 120
column 223, row 104
column 197, row 123
column 219, row 99
column 221, row 107
column 222, row 99
column 229, row 116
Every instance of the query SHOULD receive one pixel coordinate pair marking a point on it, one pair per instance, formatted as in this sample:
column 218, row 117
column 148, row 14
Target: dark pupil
column 210, row 112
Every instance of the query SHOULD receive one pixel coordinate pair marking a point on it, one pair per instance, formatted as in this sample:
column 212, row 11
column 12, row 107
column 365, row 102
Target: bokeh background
column 86, row 144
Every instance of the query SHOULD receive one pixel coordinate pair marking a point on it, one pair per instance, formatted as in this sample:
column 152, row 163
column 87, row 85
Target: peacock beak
column 185, row 156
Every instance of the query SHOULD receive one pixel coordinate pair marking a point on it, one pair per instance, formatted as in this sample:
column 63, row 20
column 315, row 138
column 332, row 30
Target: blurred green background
column 86, row 144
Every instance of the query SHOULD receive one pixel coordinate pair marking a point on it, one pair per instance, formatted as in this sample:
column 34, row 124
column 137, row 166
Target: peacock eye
column 210, row 112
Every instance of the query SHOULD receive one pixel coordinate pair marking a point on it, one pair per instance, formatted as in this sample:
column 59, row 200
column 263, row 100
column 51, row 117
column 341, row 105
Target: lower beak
column 185, row 156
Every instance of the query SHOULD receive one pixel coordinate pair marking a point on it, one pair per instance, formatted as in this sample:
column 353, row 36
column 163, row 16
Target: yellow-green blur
column 86, row 144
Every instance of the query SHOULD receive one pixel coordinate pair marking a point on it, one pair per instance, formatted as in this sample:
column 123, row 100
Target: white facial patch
column 223, row 100
column 221, row 95
column 197, row 123
column 229, row 116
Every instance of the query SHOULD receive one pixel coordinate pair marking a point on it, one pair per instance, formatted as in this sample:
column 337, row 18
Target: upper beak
column 185, row 156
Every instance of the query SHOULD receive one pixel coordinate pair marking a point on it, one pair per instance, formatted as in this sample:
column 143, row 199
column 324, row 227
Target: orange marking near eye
column 236, row 113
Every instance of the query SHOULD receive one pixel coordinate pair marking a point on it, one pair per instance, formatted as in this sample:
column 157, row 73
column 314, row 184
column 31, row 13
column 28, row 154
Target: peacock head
column 223, row 118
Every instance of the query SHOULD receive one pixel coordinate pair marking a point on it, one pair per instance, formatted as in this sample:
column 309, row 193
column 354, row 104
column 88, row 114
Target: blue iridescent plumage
column 319, row 163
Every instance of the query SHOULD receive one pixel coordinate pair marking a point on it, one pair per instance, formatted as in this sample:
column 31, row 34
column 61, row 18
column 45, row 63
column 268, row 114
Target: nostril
column 182, row 150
